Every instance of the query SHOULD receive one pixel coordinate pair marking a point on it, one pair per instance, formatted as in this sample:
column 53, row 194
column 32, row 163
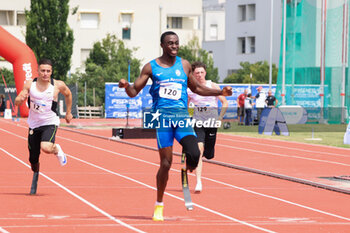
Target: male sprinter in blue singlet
column 171, row 75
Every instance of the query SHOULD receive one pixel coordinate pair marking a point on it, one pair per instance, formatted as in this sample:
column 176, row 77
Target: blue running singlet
column 169, row 94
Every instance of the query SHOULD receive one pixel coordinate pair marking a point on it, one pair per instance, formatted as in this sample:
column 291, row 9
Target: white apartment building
column 247, row 32
column 138, row 23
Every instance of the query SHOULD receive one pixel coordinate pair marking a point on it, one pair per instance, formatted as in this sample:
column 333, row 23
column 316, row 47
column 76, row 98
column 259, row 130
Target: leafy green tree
column 107, row 62
column 192, row 52
column 259, row 72
column 49, row 35
column 8, row 75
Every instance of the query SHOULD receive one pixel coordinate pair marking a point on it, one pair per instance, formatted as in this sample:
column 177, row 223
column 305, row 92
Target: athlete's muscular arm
column 23, row 95
column 62, row 87
column 223, row 102
column 201, row 89
column 140, row 82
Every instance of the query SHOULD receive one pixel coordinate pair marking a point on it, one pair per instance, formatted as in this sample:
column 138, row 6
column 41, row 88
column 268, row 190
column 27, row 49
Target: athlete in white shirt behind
column 43, row 120
column 206, row 107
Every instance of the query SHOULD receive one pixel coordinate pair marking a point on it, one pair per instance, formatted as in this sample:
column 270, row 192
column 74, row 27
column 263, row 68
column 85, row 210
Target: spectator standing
column 248, row 106
column 260, row 103
column 271, row 100
column 240, row 107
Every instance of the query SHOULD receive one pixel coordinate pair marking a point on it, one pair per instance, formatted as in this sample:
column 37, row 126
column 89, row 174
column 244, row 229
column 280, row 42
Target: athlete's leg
column 34, row 138
column 190, row 148
column 48, row 139
column 166, row 158
column 165, row 140
column 49, row 148
column 199, row 169
column 209, row 143
column 48, row 143
column 201, row 132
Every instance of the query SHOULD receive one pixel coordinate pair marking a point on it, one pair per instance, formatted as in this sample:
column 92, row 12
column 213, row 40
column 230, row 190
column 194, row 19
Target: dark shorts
column 45, row 133
column 207, row 136
column 240, row 111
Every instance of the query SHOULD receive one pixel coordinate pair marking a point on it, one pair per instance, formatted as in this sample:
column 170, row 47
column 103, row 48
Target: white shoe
column 198, row 187
column 61, row 156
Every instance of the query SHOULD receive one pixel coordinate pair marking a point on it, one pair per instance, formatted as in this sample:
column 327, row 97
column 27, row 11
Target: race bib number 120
column 170, row 90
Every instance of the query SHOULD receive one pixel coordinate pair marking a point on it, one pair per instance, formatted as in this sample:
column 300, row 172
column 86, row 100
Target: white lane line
column 239, row 148
column 215, row 181
column 77, row 196
column 282, row 155
column 138, row 182
column 282, row 200
column 284, row 147
column 288, row 142
column 171, row 195
column 2, row 230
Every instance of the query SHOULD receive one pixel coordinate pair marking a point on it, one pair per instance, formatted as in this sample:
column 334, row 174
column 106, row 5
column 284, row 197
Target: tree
column 49, row 35
column 8, row 75
column 107, row 62
column 259, row 71
column 192, row 52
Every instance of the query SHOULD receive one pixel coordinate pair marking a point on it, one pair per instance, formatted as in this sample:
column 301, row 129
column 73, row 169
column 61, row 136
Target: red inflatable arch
column 23, row 60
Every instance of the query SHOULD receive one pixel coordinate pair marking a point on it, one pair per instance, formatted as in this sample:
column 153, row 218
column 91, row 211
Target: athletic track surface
column 108, row 186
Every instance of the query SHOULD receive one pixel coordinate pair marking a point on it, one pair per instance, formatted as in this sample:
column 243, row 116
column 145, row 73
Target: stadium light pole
column 344, row 57
column 323, row 51
column 160, row 26
column 271, row 40
column 128, row 104
column 284, row 53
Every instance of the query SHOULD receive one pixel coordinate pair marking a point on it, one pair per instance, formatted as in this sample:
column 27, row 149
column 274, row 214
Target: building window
column 213, row 31
column 21, row 18
column 231, row 71
column 126, row 26
column 251, row 41
column 176, row 22
column 251, row 12
column 89, row 20
column 211, row 55
column 84, row 54
column 241, row 45
column 242, row 13
column 7, row 18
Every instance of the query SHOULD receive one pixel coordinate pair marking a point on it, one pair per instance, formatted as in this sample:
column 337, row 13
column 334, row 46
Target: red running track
column 110, row 187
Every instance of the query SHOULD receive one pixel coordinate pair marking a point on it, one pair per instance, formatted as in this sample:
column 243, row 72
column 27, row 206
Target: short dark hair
column 162, row 37
column 45, row 61
column 198, row 64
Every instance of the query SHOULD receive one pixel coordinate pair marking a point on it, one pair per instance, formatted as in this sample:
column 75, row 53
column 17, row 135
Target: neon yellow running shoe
column 158, row 213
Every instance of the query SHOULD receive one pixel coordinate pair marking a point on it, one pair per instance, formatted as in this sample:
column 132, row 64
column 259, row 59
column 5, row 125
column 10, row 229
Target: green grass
column 331, row 135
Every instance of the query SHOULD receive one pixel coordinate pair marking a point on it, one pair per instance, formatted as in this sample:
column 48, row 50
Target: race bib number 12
column 37, row 106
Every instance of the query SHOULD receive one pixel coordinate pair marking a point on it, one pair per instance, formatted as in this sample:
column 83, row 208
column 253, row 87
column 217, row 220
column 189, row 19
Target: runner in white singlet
column 43, row 121
column 206, row 107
